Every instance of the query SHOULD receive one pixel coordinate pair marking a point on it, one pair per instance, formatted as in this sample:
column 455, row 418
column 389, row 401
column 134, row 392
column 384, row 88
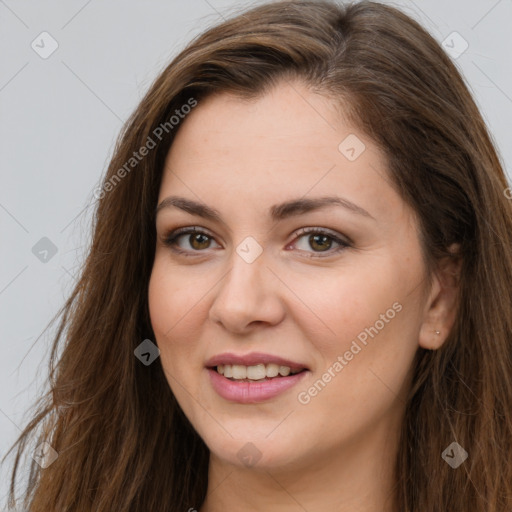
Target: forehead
column 287, row 143
column 288, row 115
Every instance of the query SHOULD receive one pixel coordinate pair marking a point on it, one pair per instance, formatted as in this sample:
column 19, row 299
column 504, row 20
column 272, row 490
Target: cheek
column 341, row 305
column 174, row 308
column 370, row 320
column 364, row 331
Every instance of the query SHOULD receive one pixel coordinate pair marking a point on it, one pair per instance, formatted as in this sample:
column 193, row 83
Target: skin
column 241, row 157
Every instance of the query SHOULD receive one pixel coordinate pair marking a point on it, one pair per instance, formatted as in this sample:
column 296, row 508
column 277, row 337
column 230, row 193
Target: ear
column 440, row 310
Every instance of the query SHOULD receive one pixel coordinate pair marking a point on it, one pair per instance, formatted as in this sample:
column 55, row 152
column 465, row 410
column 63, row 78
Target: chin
column 255, row 450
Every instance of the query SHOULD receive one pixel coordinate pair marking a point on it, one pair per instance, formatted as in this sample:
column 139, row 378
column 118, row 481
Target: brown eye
column 320, row 242
column 316, row 241
column 188, row 241
column 199, row 241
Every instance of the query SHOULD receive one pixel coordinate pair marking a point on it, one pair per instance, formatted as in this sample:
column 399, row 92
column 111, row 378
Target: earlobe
column 441, row 308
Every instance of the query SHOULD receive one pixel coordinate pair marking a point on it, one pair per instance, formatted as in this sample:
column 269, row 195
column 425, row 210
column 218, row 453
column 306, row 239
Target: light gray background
column 59, row 118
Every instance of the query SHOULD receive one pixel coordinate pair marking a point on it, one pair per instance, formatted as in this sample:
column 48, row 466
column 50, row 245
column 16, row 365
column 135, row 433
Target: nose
column 249, row 295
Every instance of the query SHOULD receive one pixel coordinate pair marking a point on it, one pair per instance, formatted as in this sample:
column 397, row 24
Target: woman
column 298, row 291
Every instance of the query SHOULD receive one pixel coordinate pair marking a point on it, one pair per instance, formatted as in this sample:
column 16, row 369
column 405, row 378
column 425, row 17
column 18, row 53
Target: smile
column 255, row 372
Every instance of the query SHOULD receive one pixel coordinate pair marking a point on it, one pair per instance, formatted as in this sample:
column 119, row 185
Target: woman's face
column 278, row 279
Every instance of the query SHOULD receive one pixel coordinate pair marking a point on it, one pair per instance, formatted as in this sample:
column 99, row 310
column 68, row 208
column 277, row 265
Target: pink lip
column 245, row 392
column 251, row 359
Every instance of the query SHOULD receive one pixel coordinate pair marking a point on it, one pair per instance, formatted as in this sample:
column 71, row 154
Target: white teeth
column 284, row 371
column 254, row 372
column 239, row 371
column 272, row 370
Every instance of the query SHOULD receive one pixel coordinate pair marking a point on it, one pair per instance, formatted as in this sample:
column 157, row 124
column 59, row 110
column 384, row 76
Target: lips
column 248, row 391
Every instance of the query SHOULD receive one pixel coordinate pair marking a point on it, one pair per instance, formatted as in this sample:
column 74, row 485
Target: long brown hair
column 123, row 443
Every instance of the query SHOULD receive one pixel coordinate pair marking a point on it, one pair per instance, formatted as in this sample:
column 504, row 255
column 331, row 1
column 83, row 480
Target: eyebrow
column 277, row 212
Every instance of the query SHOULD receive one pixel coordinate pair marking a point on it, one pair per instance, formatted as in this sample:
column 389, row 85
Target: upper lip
column 252, row 359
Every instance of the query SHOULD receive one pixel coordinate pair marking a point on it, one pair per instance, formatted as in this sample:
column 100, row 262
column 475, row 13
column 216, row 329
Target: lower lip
column 252, row 392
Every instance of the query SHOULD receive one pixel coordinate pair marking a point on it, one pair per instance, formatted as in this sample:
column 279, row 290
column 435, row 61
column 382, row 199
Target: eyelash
column 170, row 239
